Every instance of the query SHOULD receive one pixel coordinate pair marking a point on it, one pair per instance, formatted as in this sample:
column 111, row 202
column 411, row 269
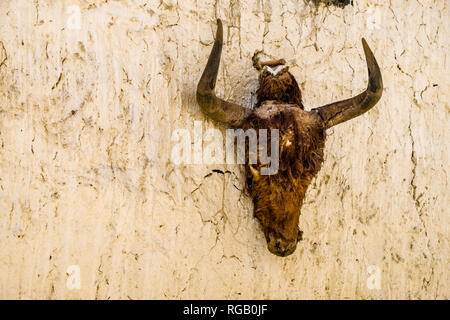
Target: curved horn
column 214, row 107
column 337, row 112
column 254, row 172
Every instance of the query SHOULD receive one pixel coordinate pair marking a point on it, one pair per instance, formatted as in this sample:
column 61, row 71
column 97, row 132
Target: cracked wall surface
column 86, row 116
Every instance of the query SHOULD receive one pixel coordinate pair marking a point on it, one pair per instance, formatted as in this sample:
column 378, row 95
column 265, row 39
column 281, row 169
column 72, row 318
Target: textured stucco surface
column 86, row 117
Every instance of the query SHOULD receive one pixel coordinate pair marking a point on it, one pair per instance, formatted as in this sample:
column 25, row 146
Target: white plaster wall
column 86, row 180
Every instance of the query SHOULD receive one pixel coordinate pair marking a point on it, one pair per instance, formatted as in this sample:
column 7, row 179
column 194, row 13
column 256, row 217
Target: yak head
column 278, row 197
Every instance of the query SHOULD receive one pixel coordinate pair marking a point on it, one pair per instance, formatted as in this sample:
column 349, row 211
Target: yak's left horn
column 338, row 112
column 217, row 109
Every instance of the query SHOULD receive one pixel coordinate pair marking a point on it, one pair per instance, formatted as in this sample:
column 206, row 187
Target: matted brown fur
column 278, row 198
column 283, row 88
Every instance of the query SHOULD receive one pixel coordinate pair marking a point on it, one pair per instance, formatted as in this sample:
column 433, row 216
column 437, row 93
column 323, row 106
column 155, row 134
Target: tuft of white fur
column 276, row 70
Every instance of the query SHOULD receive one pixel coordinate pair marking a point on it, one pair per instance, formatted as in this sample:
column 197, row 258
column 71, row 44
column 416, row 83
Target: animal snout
column 281, row 247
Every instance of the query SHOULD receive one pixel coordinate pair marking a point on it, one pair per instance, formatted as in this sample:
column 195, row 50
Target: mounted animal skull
column 278, row 198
